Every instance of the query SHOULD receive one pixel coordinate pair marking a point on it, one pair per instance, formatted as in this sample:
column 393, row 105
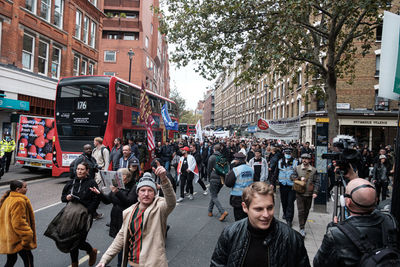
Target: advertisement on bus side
column 35, row 141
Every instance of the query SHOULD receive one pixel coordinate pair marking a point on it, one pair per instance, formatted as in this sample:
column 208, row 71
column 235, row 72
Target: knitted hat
column 146, row 180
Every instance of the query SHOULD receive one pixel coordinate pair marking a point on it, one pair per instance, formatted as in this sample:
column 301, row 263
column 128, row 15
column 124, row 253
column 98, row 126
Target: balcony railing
column 122, row 3
column 121, row 23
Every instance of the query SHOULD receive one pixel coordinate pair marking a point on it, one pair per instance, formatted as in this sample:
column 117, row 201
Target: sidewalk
column 16, row 172
column 315, row 226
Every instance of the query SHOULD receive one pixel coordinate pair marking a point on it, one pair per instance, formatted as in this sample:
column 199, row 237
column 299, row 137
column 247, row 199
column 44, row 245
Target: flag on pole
column 146, row 118
column 199, row 132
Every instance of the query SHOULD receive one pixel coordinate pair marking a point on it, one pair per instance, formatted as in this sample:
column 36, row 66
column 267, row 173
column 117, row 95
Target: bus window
column 135, row 98
column 123, row 94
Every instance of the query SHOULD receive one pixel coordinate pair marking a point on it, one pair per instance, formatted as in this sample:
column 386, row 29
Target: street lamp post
column 130, row 54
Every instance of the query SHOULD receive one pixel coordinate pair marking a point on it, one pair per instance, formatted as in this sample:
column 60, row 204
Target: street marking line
column 84, row 259
column 27, row 182
column 49, row 206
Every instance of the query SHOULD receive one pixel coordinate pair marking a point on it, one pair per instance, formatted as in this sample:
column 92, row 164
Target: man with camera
column 365, row 231
column 306, row 185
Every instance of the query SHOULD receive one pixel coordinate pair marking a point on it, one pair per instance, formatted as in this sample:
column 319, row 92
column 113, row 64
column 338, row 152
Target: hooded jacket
column 17, row 224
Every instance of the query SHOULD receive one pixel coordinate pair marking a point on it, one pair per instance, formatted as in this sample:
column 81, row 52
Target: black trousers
column 26, row 256
column 381, row 187
column 186, row 178
column 8, row 156
column 288, row 196
column 83, row 245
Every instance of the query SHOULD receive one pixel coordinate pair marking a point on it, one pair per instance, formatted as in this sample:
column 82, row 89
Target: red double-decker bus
column 187, row 129
column 106, row 106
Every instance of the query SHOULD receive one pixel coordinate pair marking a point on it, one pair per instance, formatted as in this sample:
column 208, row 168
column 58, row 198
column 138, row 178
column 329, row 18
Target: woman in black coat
column 80, row 190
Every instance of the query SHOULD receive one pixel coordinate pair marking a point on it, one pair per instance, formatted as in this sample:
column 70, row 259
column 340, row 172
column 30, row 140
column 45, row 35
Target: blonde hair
column 260, row 188
column 125, row 171
column 99, row 139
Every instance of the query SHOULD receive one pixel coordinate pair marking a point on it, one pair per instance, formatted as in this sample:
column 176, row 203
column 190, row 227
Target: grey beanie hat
column 146, row 180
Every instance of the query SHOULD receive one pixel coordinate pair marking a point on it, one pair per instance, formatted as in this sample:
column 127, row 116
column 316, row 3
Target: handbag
column 299, row 186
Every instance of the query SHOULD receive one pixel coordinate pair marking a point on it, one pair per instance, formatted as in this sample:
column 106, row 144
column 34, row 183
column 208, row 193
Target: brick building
column 208, row 111
column 41, row 41
column 131, row 25
column 371, row 119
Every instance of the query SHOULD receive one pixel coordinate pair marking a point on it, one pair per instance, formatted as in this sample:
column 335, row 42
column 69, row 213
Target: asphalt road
column 191, row 239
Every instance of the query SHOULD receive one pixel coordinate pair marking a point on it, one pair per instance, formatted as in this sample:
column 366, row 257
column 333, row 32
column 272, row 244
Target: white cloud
column 190, row 84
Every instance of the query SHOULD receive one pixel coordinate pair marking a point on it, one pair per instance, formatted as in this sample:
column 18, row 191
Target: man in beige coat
column 142, row 235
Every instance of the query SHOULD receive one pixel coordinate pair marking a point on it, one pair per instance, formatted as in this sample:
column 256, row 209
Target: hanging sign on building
column 389, row 69
column 284, row 129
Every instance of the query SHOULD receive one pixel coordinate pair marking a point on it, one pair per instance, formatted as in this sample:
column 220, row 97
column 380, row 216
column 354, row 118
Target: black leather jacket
column 337, row 250
column 285, row 247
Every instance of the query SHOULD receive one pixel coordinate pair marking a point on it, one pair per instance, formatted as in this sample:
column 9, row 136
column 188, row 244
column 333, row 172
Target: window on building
column 299, row 81
column 130, row 36
column 56, row 63
column 75, row 70
column 146, row 42
column 30, row 5
column 28, row 48
column 379, row 33
column 93, row 28
column 43, row 57
column 299, row 107
column 377, row 64
column 147, row 62
column 78, row 24
column 86, row 30
column 94, row 2
column 1, row 30
column 292, row 110
column 151, row 28
column 84, row 67
column 112, row 36
column 287, row 111
column 283, row 111
column 274, row 113
column 130, row 15
column 109, row 73
column 283, row 89
column 110, row 56
column 58, row 13
column 91, row 69
column 45, row 8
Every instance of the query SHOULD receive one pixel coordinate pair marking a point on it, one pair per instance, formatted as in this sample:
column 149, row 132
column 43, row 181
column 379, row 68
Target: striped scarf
column 135, row 233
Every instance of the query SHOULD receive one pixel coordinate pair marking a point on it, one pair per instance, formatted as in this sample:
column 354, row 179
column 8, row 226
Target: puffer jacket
column 337, row 250
column 285, row 247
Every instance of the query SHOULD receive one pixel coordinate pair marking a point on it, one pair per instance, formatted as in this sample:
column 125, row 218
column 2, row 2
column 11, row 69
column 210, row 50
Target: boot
column 74, row 264
column 223, row 216
column 92, row 257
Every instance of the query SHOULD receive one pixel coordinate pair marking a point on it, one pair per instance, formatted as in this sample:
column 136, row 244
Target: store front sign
column 358, row 122
column 14, row 104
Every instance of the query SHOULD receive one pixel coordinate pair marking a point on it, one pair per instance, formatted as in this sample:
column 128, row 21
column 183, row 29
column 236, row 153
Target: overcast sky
column 189, row 83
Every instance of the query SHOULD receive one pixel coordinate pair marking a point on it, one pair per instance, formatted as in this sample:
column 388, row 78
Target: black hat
column 239, row 155
column 287, row 150
column 134, row 162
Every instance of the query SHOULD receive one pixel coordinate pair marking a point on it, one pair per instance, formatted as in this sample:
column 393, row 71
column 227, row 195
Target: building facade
column 208, row 112
column 41, row 41
column 371, row 119
column 131, row 25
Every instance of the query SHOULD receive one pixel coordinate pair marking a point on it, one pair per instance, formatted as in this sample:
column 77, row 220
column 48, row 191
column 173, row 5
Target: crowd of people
column 254, row 169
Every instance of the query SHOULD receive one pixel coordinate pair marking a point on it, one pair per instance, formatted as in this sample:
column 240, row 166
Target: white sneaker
column 205, row 192
column 191, row 197
column 179, row 199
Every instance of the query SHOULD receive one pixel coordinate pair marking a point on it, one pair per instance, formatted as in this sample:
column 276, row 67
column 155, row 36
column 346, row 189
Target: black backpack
column 386, row 256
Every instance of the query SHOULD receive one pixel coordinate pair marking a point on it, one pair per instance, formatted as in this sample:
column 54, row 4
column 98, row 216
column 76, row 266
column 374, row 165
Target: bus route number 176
column 81, row 105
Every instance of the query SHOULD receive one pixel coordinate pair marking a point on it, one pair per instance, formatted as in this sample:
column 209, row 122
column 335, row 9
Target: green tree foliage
column 189, row 117
column 179, row 101
column 280, row 35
